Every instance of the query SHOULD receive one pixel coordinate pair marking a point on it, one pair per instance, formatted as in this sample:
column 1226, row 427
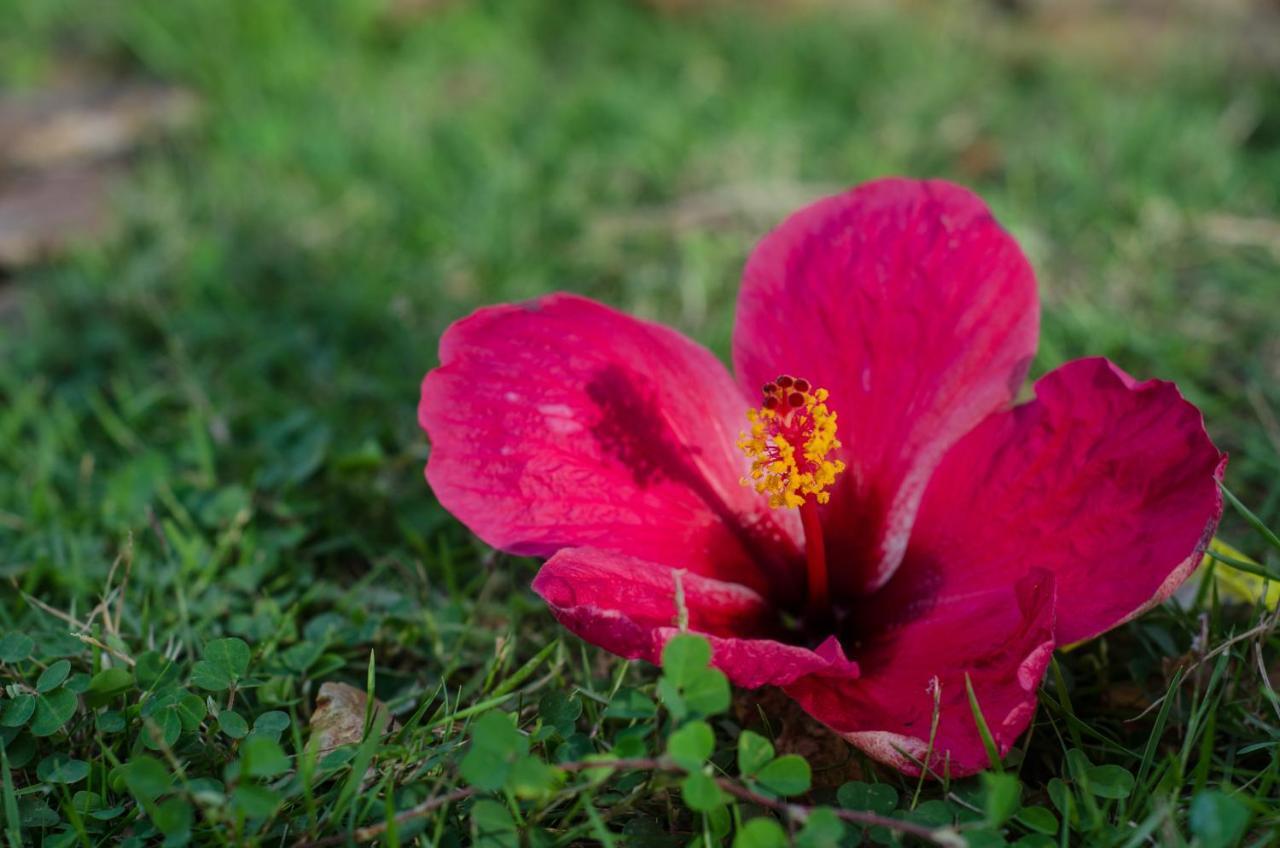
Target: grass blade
column 988, row 742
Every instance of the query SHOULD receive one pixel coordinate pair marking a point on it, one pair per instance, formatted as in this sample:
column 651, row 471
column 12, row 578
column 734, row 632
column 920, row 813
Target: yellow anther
column 790, row 439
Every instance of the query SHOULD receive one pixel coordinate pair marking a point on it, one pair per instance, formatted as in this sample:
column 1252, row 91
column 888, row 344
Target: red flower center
column 792, row 434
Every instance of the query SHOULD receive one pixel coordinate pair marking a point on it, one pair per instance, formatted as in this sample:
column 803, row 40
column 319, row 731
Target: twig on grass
column 797, row 812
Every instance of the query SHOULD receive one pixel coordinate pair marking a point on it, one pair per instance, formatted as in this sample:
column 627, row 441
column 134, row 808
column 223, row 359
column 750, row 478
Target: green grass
column 207, row 424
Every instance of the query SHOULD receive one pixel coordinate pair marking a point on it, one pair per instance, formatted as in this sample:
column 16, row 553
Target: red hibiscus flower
column 883, row 524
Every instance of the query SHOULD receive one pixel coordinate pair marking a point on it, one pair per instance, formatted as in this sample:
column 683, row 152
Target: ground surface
column 207, row 418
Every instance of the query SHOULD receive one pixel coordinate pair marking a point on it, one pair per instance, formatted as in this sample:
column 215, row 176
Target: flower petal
column 1109, row 483
column 561, row 422
column 919, row 313
column 1001, row 640
column 630, row 607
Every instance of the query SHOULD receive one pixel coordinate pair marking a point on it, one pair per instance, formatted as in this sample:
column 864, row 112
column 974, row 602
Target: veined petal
column 1000, row 640
column 561, row 422
column 919, row 313
column 632, row 607
column 1109, row 483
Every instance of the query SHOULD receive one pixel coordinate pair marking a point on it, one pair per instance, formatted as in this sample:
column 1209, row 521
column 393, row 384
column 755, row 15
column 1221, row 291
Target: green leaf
column 51, row 678
column 146, row 777
column 1000, row 795
column 688, row 686
column 302, row 656
column 701, row 793
column 495, row 745
column 233, row 724
column 52, row 711
column 935, row 813
column 109, row 721
column 631, row 703
column 18, row 711
column 109, row 683
column 1039, row 819
column 531, row 778
column 822, row 829
column 164, row 731
column 879, row 798
column 631, row 742
column 1062, row 798
column 173, row 818
column 34, row 812
column 211, row 676
column 20, row 750
column 155, row 670
column 691, row 745
column 85, row 802
column 1078, row 764
column 1217, row 819
column 262, row 756
column 985, row 838
column 15, row 647
column 271, row 723
column 1110, row 781
column 785, row 775
column 232, row 655
column 255, row 801
column 760, row 832
column 225, row 662
column 708, row 693
column 684, row 656
column 61, row 768
column 753, row 752
column 191, row 710
column 492, row 826
column 560, row 711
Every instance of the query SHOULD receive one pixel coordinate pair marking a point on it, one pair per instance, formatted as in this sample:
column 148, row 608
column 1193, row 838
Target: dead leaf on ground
column 339, row 717
column 43, row 214
column 89, row 122
column 61, row 151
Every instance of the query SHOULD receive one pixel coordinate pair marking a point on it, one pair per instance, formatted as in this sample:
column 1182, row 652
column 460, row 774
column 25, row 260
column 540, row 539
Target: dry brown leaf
column 60, row 151
column 339, row 717
column 88, row 122
column 43, row 213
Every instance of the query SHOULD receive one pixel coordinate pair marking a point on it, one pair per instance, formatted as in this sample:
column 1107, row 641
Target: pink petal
column 561, row 422
column 1108, row 483
column 1001, row 639
column 629, row 606
column 919, row 313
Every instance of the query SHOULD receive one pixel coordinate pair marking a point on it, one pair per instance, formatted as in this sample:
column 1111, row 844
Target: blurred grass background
column 229, row 376
column 366, row 172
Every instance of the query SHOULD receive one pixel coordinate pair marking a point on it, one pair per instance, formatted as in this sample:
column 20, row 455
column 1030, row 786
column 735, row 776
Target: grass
column 207, row 423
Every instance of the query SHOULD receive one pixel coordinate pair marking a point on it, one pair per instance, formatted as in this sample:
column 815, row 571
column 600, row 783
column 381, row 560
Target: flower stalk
column 819, row 601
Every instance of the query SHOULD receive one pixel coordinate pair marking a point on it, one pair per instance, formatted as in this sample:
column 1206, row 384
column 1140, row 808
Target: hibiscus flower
column 861, row 517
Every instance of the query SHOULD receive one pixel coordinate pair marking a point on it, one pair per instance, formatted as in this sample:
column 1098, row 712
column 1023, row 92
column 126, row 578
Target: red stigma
column 771, row 403
column 784, row 382
column 769, row 388
column 801, row 385
column 796, row 399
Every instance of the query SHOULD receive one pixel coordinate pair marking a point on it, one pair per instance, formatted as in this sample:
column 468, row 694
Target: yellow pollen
column 788, row 442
